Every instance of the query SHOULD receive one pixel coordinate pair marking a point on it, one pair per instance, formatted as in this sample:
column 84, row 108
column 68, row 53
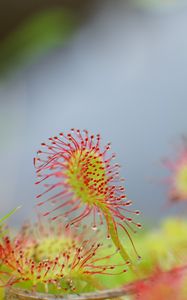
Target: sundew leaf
column 2, row 232
column 64, row 261
column 79, row 174
column 9, row 215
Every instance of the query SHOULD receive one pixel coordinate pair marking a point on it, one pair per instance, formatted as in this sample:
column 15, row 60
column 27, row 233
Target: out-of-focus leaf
column 37, row 35
column 9, row 214
column 3, row 219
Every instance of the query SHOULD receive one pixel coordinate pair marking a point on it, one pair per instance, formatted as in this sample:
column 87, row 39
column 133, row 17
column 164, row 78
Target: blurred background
column 115, row 67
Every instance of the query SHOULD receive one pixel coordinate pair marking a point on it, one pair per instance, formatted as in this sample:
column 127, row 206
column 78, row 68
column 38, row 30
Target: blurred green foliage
column 162, row 248
column 36, row 35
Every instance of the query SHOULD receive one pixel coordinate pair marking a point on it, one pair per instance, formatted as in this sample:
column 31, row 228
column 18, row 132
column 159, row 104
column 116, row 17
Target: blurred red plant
column 163, row 285
column 178, row 177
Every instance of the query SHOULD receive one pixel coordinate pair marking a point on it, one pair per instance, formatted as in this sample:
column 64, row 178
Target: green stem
column 112, row 230
column 114, row 236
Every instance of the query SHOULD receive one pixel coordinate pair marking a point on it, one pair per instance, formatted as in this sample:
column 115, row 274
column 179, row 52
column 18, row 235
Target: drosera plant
column 66, row 257
column 3, row 231
column 48, row 258
column 80, row 178
column 163, row 285
column 178, row 174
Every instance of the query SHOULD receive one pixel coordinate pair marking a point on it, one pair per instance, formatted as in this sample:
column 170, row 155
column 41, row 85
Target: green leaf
column 9, row 214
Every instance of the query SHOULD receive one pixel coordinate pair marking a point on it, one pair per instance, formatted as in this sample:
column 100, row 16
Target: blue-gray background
column 123, row 74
